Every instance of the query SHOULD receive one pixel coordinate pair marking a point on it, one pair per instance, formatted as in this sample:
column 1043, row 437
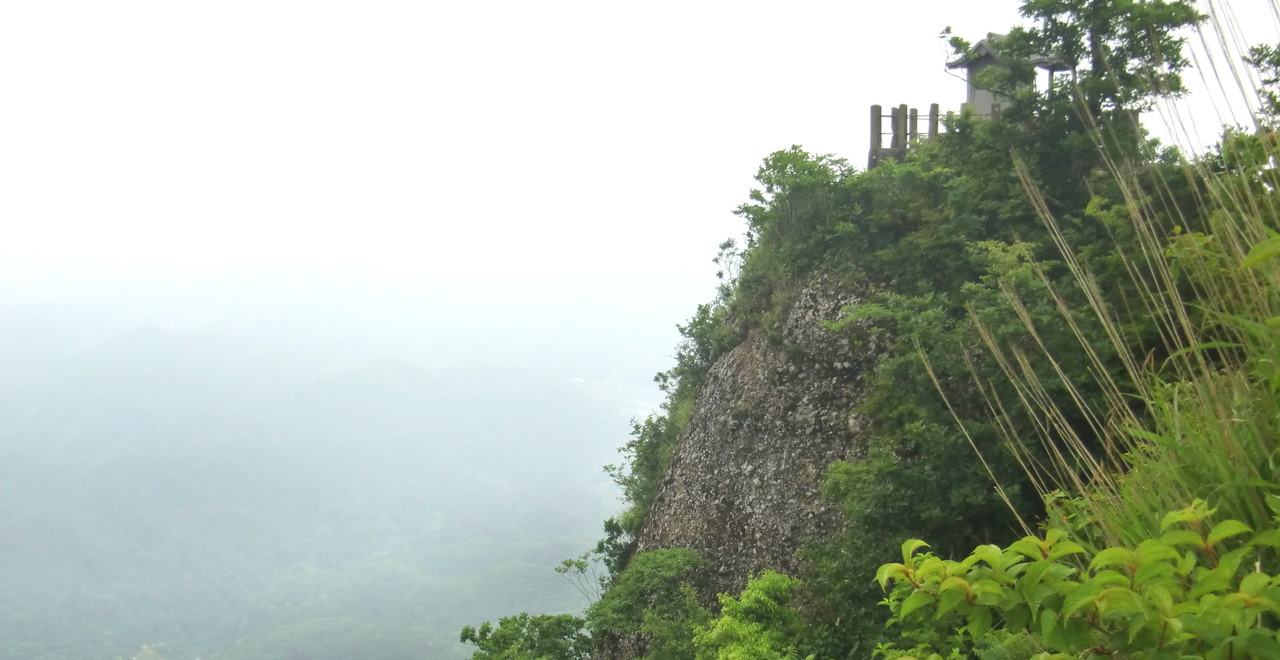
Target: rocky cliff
column 743, row 486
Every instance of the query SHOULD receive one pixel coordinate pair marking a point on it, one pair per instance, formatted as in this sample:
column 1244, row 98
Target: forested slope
column 1017, row 285
column 210, row 496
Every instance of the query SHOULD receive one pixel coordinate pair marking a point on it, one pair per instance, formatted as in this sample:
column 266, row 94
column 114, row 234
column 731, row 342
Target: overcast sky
column 590, row 149
column 465, row 141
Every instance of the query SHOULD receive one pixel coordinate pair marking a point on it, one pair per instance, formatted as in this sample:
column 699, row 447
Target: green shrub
column 655, row 598
column 757, row 625
column 524, row 637
column 1195, row 591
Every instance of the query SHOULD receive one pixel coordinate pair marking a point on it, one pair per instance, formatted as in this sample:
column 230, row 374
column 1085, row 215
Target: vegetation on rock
column 1077, row 336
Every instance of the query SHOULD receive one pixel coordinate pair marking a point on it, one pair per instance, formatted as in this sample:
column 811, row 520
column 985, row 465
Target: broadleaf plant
column 1186, row 594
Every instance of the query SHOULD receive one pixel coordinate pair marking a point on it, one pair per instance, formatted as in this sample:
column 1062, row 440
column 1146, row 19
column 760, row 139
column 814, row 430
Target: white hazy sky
column 471, row 146
column 433, row 140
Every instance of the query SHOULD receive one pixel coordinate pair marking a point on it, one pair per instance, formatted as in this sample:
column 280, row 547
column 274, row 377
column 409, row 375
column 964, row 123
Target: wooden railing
column 904, row 125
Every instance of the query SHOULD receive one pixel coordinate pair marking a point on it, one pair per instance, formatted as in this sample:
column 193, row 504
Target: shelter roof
column 990, row 48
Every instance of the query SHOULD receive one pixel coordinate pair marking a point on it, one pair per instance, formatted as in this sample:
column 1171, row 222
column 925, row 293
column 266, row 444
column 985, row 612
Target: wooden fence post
column 900, row 130
column 895, row 142
column 877, row 135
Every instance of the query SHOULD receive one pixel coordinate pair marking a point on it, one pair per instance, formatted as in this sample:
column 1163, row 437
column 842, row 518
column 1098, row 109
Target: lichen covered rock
column 743, row 487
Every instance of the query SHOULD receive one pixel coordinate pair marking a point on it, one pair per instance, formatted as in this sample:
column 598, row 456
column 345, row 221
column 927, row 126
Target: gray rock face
column 743, row 488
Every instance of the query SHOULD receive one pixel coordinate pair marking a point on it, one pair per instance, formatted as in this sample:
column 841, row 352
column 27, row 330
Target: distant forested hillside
column 209, row 497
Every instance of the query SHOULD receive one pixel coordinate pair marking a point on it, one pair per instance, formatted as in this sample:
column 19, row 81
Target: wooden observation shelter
column 904, row 123
column 984, row 102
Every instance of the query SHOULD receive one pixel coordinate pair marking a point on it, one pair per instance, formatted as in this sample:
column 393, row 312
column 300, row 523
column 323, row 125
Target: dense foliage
column 525, row 637
column 1195, row 591
column 654, row 597
column 758, row 624
column 1065, row 325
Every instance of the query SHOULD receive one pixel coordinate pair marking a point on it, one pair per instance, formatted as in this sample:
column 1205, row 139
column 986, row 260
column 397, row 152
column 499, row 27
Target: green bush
column 654, row 597
column 759, row 624
column 1195, row 591
column 524, row 637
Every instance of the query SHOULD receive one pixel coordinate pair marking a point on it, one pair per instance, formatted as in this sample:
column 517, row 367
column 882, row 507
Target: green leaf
column 1030, row 547
column 1110, row 578
column 988, row 587
column 979, row 622
column 1172, row 518
column 1076, row 634
column 1227, row 529
column 1181, row 537
column 1261, row 252
column 1153, row 551
column 1079, row 597
column 928, row 567
column 909, row 548
column 1118, row 598
column 1216, row 580
column 1270, row 537
column 1054, row 536
column 987, row 553
column 1261, row 643
column 889, row 571
column 1159, row 597
column 1063, row 548
column 1037, row 595
column 1273, row 503
column 1114, row 556
column 1201, row 347
column 948, row 600
column 1197, row 512
column 954, row 582
column 1035, row 571
column 1151, row 572
column 914, row 602
column 1231, row 561
column 1253, row 584
column 1187, row 564
column 1048, row 622
column 1143, row 434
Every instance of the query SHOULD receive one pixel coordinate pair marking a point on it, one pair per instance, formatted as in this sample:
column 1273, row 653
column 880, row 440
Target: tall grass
column 1197, row 419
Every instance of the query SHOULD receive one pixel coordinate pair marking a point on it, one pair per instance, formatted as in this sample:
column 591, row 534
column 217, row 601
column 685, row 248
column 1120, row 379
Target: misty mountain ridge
column 218, row 497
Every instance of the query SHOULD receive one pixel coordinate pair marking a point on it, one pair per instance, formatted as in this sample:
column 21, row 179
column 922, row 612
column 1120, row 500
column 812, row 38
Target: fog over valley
column 235, row 475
